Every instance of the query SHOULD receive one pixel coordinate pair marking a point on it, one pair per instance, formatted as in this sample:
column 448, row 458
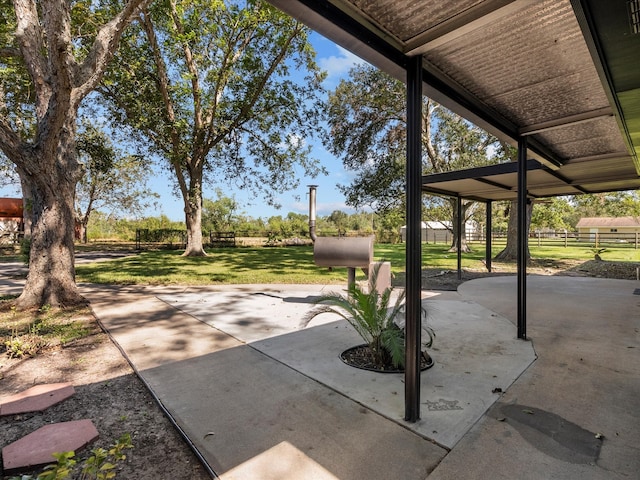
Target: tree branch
column 10, row 141
column 248, row 106
column 163, row 79
column 30, row 40
column 89, row 73
column 9, row 52
column 196, row 90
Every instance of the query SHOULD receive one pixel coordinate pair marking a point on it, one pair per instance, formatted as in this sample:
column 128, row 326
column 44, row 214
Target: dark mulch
column 362, row 357
column 439, row 279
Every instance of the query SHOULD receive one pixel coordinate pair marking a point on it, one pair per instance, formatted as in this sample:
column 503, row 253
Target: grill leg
column 351, row 276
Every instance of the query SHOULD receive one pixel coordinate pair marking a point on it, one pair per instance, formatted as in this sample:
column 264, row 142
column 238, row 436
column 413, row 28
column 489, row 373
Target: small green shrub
column 374, row 318
column 25, row 249
column 26, row 345
column 99, row 466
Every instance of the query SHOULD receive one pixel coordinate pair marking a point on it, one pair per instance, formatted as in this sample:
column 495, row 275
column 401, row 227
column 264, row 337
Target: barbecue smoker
column 349, row 252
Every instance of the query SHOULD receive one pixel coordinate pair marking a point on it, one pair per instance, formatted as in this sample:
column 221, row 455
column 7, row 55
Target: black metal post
column 351, row 276
column 522, row 237
column 459, row 235
column 487, row 255
column 413, row 247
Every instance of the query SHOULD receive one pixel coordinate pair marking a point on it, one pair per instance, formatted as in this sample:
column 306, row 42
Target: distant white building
column 438, row 232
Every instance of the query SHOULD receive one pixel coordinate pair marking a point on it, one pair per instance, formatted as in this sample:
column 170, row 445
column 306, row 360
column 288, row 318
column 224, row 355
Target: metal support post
column 522, row 237
column 413, row 247
column 487, row 254
column 351, row 277
column 459, row 235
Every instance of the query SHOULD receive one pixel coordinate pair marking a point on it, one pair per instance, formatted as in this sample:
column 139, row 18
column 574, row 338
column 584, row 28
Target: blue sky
column 336, row 61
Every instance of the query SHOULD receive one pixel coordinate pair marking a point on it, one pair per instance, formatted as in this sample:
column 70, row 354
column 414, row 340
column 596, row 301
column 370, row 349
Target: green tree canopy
column 112, row 181
column 221, row 214
column 367, row 120
column 222, row 91
column 613, row 204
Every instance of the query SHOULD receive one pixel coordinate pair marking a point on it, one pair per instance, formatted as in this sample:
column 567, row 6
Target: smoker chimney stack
column 312, row 212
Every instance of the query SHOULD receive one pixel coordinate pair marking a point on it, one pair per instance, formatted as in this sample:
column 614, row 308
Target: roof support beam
column 459, row 221
column 566, row 181
column 566, row 121
column 471, row 19
column 522, row 238
column 486, row 181
column 489, row 224
column 477, row 172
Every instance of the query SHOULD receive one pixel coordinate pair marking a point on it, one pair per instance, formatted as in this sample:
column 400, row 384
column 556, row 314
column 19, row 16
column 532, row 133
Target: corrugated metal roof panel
column 595, row 137
column 514, row 67
column 409, row 18
column 548, row 63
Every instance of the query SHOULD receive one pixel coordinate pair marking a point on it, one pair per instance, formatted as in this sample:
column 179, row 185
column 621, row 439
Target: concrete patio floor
column 259, row 397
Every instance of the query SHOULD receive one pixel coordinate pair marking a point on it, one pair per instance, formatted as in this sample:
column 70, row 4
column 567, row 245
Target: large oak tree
column 223, row 91
column 52, row 54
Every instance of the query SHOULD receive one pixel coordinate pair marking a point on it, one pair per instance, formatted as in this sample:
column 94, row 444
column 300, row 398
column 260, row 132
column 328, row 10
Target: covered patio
column 559, row 79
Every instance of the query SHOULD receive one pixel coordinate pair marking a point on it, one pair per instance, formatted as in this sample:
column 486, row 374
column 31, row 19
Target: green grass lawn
column 222, row 266
column 294, row 265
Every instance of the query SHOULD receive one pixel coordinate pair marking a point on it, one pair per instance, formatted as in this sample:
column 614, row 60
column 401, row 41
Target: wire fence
column 172, row 238
column 567, row 239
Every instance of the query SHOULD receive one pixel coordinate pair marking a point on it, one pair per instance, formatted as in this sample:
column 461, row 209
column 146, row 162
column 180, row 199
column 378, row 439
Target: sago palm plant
column 373, row 317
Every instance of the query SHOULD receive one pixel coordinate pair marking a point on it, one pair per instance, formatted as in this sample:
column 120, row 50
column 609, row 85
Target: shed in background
column 619, row 227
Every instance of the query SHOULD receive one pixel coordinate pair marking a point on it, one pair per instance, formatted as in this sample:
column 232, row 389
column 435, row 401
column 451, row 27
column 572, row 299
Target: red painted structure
column 11, row 219
column 11, row 208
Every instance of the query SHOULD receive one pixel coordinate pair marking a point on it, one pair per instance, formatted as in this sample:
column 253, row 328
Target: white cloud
column 337, row 66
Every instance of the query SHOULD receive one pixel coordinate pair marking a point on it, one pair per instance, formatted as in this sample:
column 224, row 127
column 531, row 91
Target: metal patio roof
column 563, row 73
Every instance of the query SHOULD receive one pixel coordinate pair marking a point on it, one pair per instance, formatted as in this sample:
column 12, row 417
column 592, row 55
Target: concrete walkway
column 262, row 398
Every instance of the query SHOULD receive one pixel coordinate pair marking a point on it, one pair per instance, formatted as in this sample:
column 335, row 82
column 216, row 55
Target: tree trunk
column 463, row 235
column 80, row 230
column 510, row 252
column 51, row 278
column 44, row 37
column 193, row 221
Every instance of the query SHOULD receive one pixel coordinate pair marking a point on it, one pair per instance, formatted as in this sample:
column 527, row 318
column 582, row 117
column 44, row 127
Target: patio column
column 413, row 244
column 522, row 238
column 459, row 235
column 489, row 221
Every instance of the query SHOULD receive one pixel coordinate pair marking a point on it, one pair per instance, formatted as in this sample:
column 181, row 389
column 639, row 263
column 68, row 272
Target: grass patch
column 294, row 265
column 25, row 333
column 243, row 265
